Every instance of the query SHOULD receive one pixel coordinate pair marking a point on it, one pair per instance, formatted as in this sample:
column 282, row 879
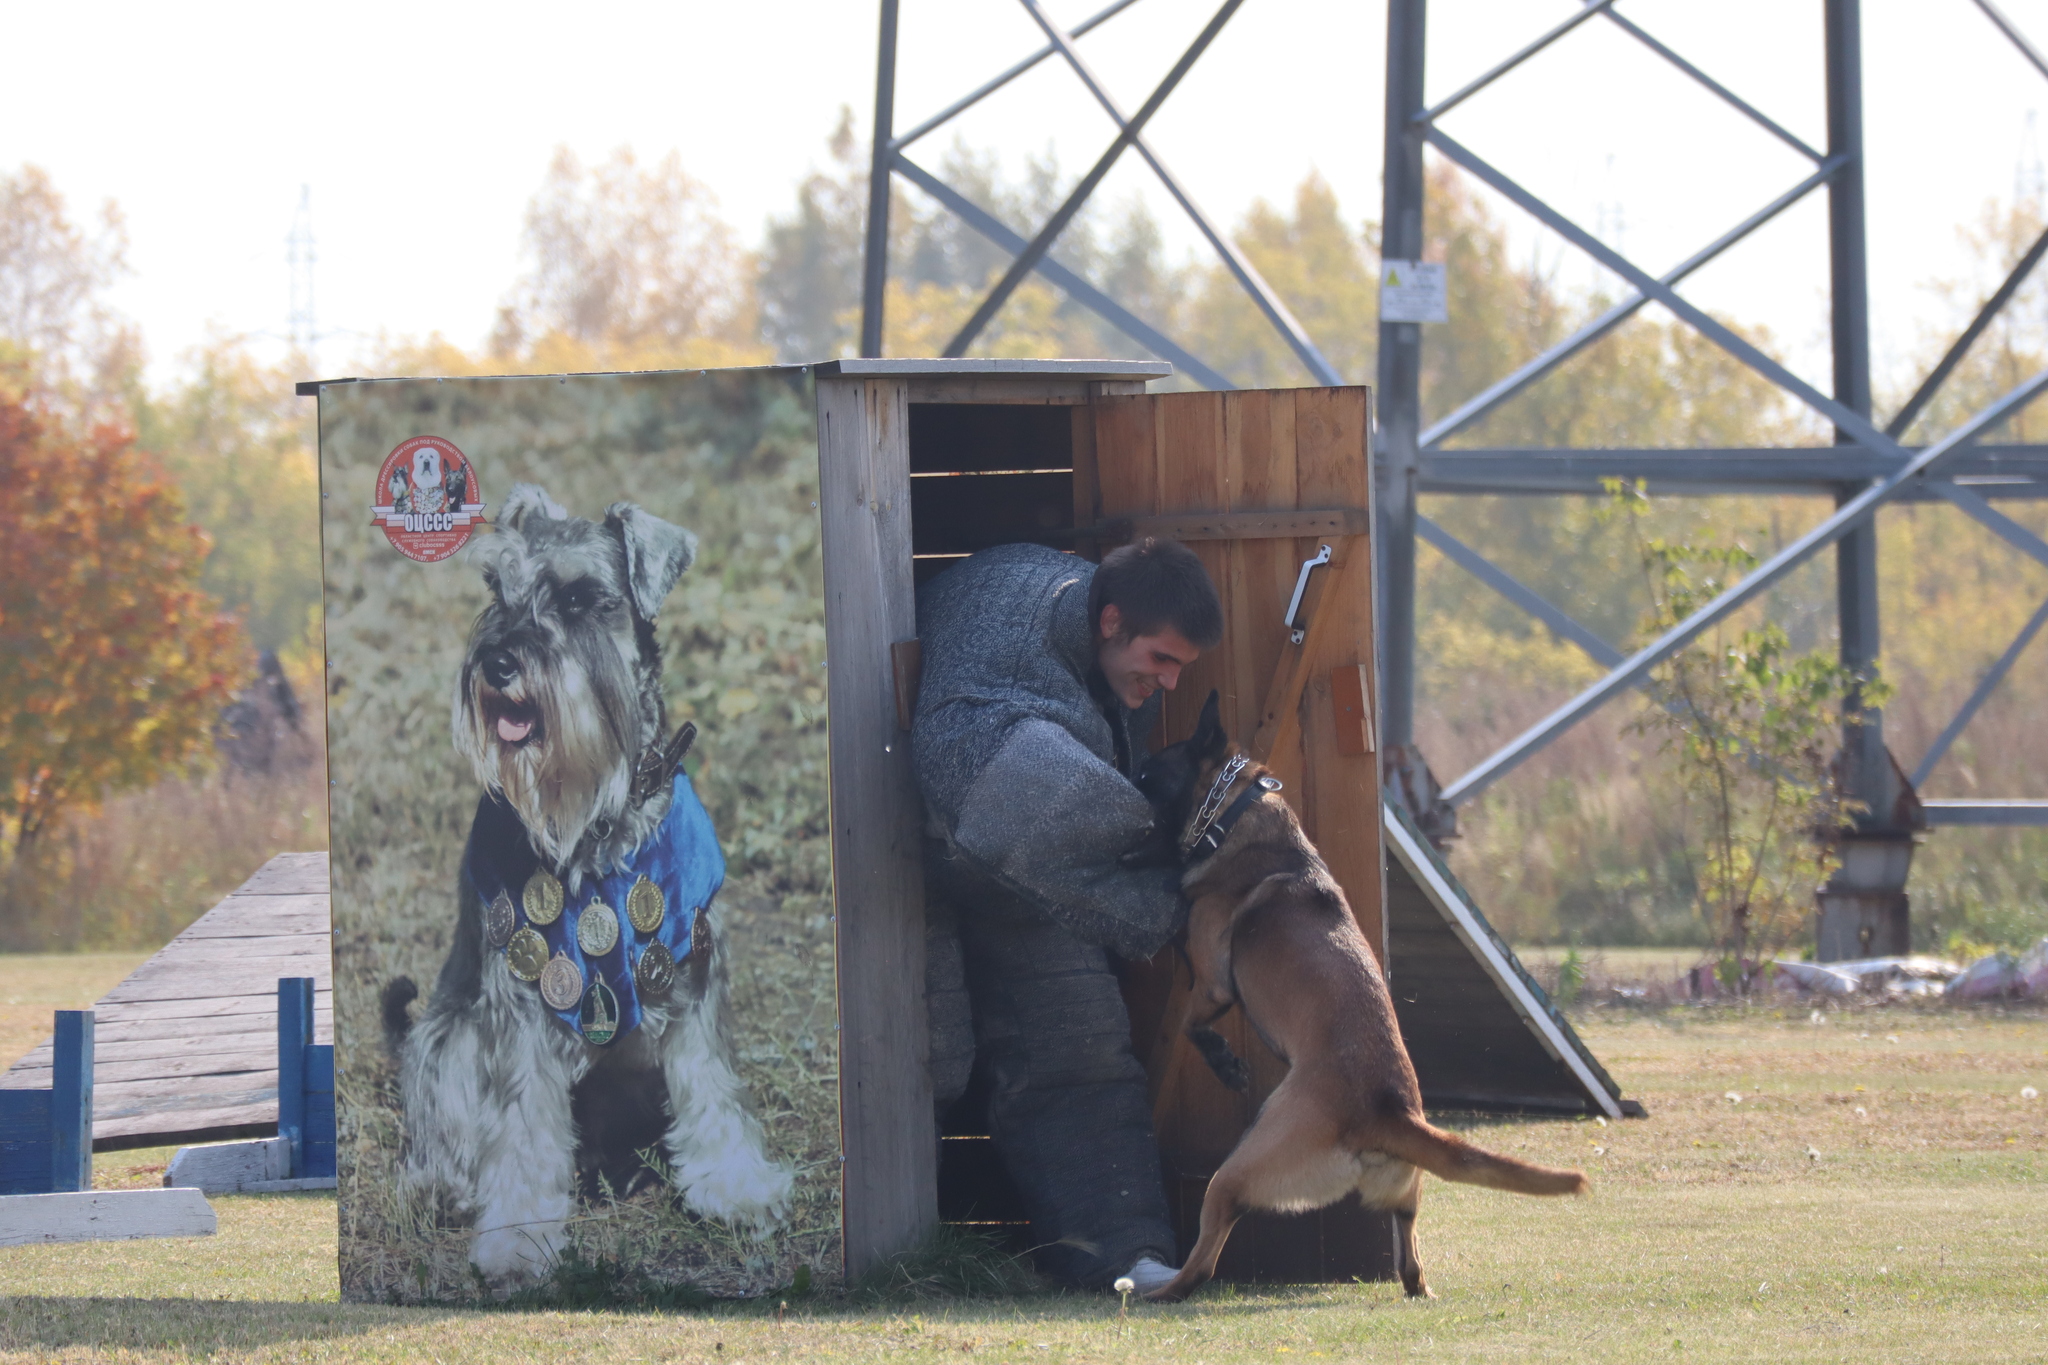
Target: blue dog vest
column 681, row 860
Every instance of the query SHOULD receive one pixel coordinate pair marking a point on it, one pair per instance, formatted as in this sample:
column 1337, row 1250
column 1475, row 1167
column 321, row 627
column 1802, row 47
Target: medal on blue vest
column 561, row 985
column 526, row 955
column 599, row 1018
column 656, row 970
column 597, row 932
column 542, row 898
column 646, row 906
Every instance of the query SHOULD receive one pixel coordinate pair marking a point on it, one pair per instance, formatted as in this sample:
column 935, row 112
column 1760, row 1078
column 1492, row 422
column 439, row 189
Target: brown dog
column 1270, row 930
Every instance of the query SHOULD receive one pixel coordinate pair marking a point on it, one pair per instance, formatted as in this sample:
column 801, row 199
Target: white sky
column 423, row 128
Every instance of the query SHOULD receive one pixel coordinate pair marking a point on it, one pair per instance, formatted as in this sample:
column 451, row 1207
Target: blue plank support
column 46, row 1135
column 294, row 1032
column 24, row 1142
column 305, row 1082
column 319, row 1112
column 71, row 1103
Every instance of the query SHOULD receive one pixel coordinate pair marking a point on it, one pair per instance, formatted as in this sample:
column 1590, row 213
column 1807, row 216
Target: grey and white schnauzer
column 579, row 1020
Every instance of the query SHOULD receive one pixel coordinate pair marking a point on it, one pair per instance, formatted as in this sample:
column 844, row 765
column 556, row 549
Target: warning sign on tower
column 1413, row 291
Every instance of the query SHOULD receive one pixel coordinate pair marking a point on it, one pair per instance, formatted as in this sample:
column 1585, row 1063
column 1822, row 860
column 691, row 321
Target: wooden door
column 1256, row 483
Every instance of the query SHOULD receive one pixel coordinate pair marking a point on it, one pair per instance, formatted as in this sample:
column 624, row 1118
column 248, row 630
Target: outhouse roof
column 904, row 367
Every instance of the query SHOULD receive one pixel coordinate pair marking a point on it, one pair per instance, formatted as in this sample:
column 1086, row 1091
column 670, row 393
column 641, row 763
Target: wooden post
column 294, row 1032
column 890, row 1182
column 71, row 1103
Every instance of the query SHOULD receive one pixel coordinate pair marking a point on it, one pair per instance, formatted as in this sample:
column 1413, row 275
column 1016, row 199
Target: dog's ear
column 656, row 554
column 1209, row 741
column 525, row 500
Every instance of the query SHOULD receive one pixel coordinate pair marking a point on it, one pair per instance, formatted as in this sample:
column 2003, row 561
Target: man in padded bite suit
column 1042, row 675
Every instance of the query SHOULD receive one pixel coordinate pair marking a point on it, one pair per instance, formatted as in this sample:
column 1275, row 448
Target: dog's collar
column 1213, row 823
column 657, row 768
column 1212, row 804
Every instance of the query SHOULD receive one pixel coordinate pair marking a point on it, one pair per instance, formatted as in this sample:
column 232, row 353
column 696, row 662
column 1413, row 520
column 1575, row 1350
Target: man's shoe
column 1148, row 1274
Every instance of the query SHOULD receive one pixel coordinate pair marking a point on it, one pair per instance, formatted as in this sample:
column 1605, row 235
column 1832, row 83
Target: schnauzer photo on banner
column 583, row 964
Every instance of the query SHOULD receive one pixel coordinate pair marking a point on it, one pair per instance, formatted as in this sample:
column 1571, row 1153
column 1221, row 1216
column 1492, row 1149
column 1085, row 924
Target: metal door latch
column 1296, row 632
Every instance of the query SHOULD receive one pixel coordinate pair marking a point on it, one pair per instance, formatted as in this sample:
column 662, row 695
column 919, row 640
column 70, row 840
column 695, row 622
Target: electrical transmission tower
column 1866, row 468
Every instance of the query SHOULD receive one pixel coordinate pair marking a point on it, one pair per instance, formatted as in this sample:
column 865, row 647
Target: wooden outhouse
column 926, row 461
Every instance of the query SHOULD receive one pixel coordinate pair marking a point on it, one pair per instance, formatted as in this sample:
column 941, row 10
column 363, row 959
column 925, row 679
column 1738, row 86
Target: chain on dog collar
column 1212, row 804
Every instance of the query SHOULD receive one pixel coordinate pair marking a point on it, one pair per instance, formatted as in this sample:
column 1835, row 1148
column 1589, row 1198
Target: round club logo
column 427, row 500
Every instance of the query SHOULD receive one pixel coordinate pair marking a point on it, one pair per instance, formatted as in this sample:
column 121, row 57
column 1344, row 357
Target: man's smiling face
column 1142, row 664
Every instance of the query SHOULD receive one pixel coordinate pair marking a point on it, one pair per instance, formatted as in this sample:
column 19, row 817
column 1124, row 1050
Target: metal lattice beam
column 1082, row 292
column 1127, row 135
column 1561, row 622
column 1982, row 692
column 1478, row 406
column 1240, row 267
column 1989, row 471
column 1943, row 368
column 1851, row 515
column 2012, row 32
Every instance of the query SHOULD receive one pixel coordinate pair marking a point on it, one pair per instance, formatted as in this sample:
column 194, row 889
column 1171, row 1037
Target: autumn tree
column 52, row 273
column 809, row 267
column 239, row 445
column 630, row 265
column 113, row 663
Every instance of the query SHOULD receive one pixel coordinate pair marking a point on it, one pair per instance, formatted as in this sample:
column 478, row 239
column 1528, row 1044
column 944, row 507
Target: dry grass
column 1711, row 1233
column 34, row 984
column 137, row 871
column 1615, row 966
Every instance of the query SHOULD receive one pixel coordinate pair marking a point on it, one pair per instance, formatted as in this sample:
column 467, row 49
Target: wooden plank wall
column 1249, row 451
column 890, row 1185
column 186, row 1047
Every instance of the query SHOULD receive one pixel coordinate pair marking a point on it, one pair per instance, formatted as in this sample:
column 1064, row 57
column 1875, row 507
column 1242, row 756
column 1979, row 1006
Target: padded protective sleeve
column 1047, row 819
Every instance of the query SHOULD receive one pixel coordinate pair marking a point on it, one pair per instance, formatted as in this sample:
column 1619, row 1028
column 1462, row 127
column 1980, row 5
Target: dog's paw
column 741, row 1187
column 513, row 1257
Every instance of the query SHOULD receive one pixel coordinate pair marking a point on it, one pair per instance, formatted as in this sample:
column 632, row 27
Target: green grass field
column 34, row 984
column 1877, row 1193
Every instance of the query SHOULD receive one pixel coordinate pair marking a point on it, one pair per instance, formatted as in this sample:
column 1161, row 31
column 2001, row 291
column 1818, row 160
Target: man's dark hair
column 1156, row 583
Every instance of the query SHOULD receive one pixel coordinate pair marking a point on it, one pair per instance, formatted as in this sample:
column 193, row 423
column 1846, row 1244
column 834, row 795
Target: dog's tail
column 1449, row 1157
column 399, row 993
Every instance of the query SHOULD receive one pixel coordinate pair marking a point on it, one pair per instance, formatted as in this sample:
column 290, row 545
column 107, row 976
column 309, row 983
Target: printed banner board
column 583, row 949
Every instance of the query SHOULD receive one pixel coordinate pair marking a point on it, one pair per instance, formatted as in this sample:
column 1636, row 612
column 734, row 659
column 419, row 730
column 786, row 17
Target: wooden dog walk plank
column 247, row 1010
column 147, row 1042
column 186, row 1046
column 288, row 874
column 182, row 1062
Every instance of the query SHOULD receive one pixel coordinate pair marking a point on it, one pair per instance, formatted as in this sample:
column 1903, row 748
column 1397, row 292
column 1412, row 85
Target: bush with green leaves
column 1751, row 726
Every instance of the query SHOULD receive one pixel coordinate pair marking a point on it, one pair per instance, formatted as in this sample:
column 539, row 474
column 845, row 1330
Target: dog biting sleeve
column 1047, row 820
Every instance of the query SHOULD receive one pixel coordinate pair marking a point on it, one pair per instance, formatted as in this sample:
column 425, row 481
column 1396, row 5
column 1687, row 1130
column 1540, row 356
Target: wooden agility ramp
column 186, row 1047
column 1482, row 1033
